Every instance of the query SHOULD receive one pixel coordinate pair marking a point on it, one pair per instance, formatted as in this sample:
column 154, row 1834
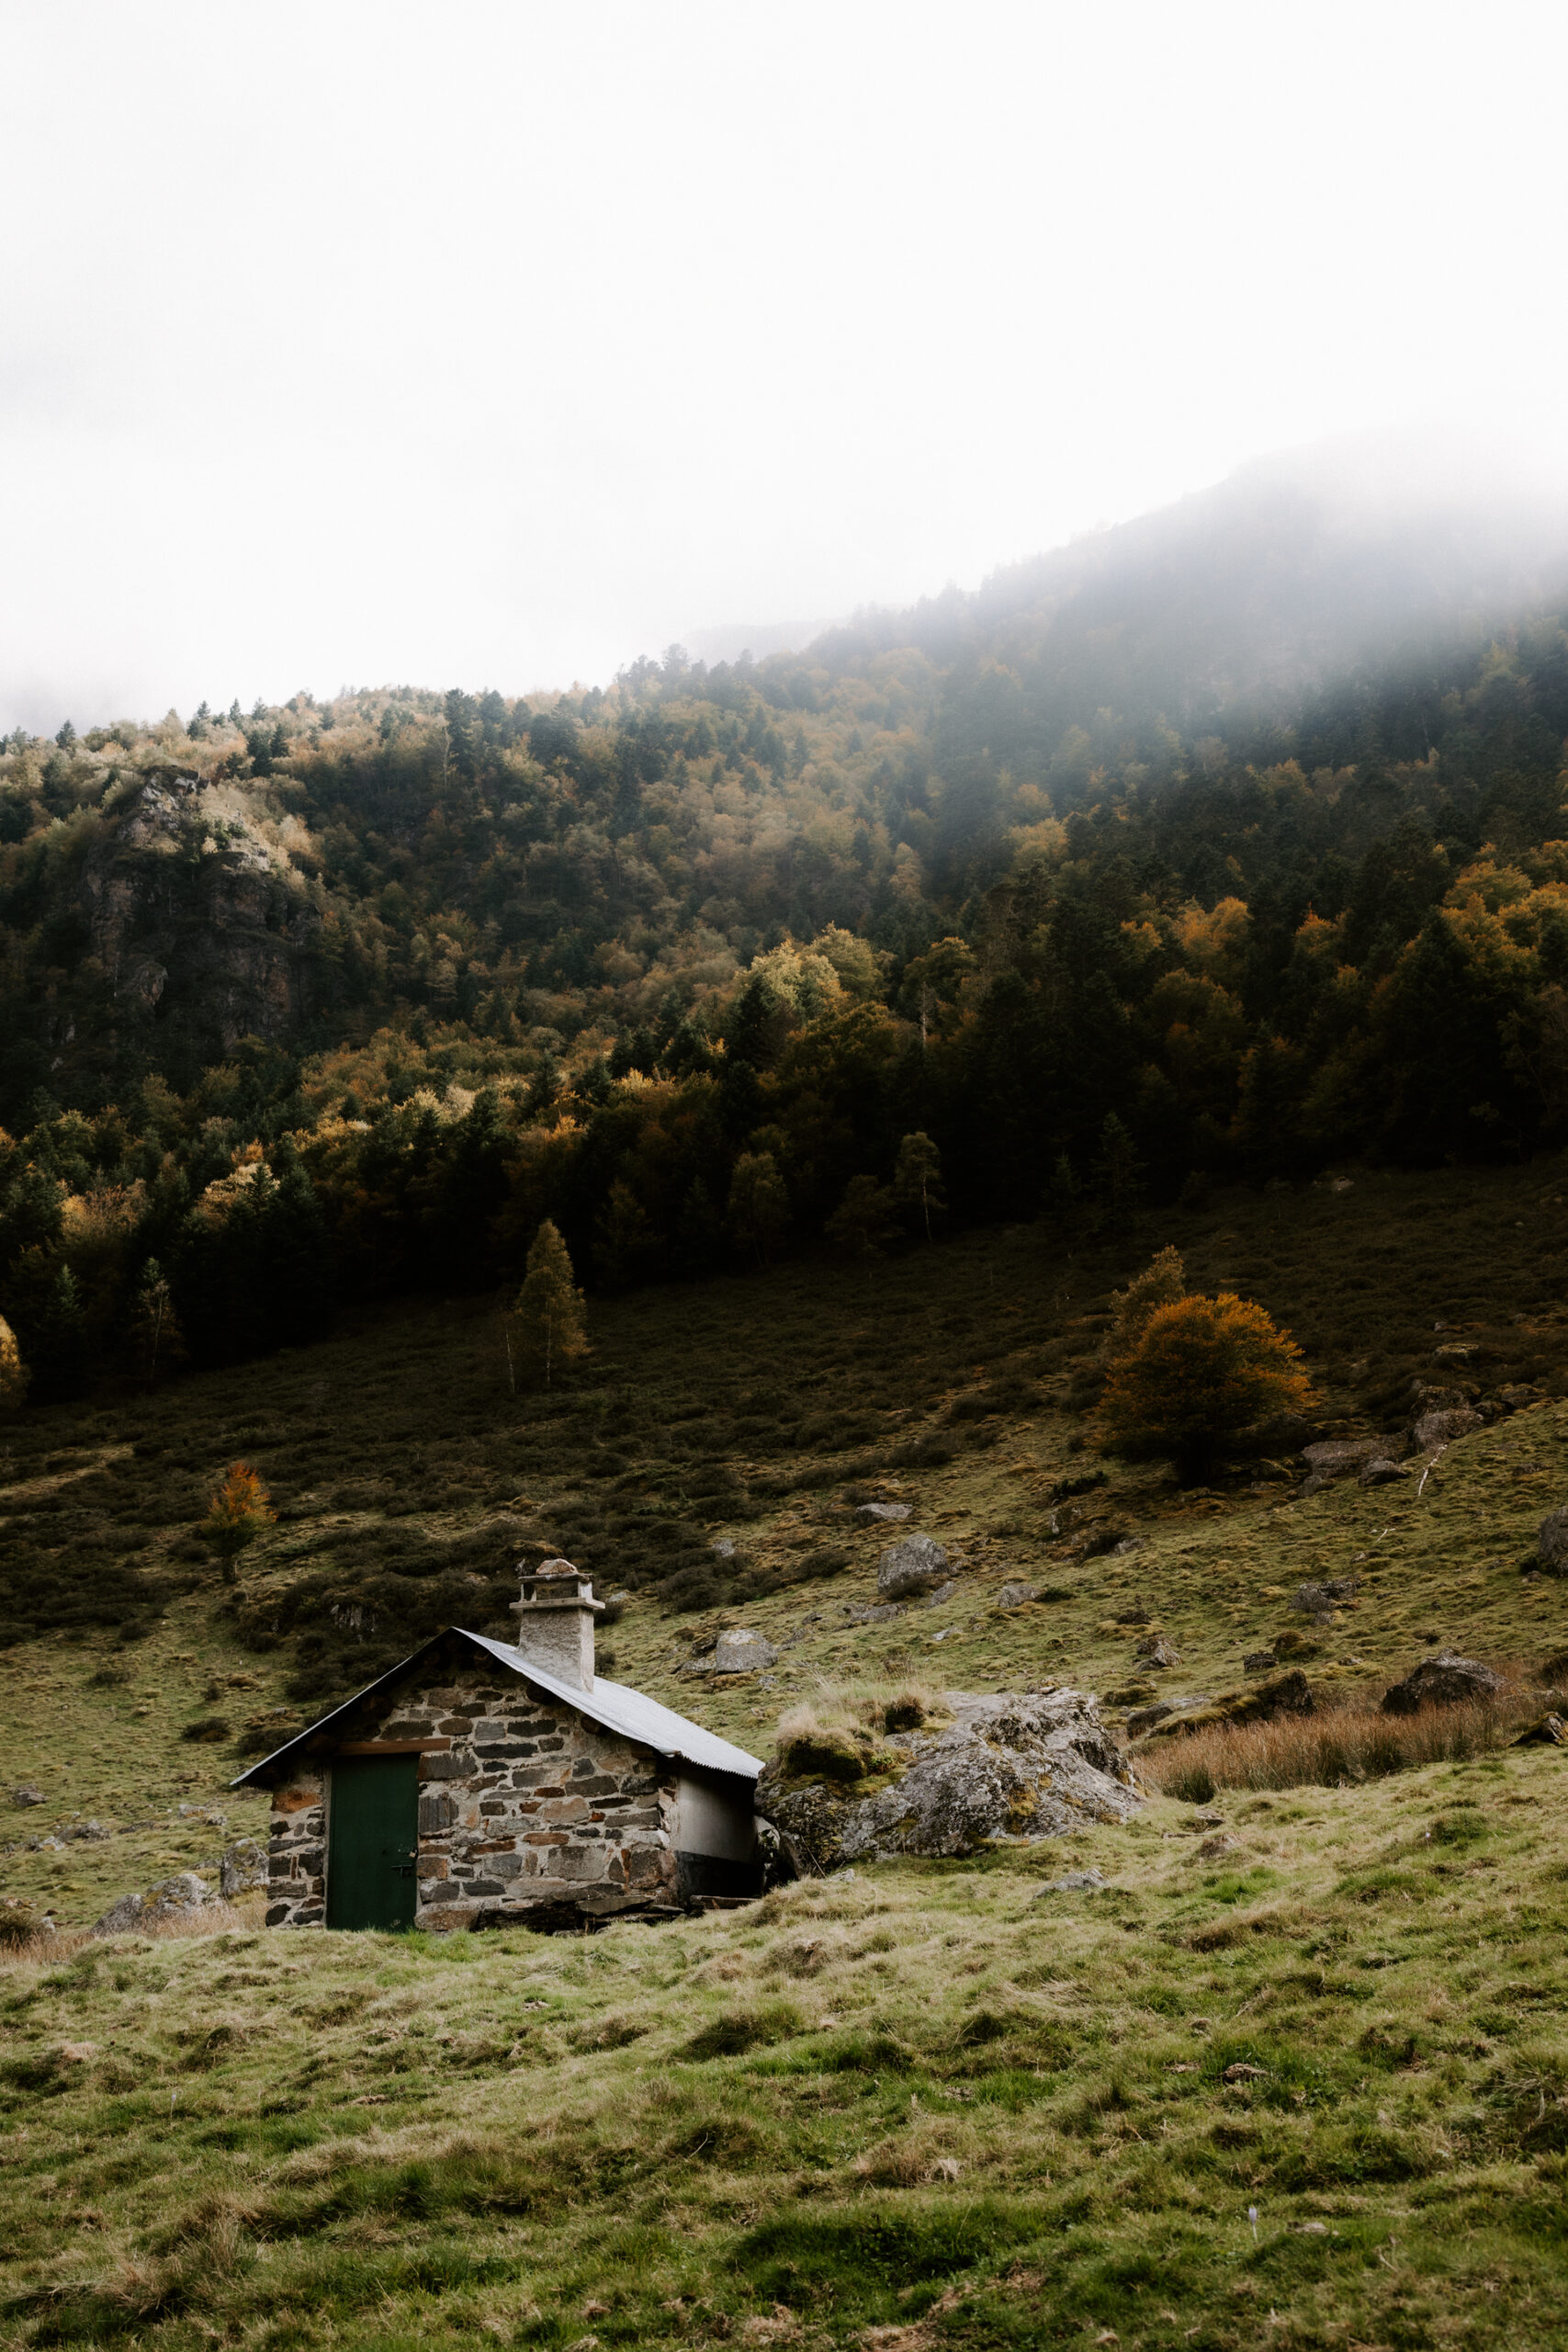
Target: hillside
column 758, row 1410
column 1079, row 879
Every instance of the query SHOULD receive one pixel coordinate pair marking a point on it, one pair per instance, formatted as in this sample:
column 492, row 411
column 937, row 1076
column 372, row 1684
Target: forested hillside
column 1123, row 875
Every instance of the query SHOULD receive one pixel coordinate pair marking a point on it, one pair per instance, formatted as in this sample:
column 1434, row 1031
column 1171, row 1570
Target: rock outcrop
column 242, row 1870
column 1442, row 1681
column 1551, row 1544
column 1435, row 1429
column 918, row 1564
column 173, row 1898
column 743, row 1652
column 1022, row 1765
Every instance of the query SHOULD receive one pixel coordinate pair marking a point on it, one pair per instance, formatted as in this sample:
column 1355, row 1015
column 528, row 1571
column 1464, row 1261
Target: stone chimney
column 555, row 1622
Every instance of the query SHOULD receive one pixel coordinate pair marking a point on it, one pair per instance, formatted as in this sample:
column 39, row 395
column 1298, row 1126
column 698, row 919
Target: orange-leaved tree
column 238, row 1511
column 1202, row 1372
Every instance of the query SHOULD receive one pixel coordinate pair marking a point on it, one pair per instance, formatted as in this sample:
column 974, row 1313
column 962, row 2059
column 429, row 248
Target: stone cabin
column 478, row 1784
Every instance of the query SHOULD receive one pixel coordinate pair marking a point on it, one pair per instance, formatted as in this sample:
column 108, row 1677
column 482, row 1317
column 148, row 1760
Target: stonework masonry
column 523, row 1807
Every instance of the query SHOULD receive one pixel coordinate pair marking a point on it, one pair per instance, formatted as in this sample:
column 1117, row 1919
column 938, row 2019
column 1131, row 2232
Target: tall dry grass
column 1338, row 1748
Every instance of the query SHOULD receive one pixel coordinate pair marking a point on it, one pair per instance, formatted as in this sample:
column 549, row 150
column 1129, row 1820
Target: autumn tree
column 917, row 1181
column 13, row 1373
column 237, row 1513
column 1203, row 1371
column 548, row 1323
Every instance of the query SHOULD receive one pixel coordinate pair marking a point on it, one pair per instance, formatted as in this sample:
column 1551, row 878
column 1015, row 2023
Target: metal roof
column 631, row 1712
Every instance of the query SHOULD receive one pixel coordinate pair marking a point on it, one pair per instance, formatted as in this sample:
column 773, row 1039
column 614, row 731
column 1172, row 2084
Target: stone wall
column 523, row 1805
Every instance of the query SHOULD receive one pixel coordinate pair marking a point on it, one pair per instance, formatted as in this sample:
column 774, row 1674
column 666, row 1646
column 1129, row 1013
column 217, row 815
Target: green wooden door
column 372, row 1841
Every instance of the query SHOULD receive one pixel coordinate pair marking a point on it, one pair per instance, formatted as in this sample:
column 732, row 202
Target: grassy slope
column 933, row 2101
column 799, row 1380
column 369, row 2141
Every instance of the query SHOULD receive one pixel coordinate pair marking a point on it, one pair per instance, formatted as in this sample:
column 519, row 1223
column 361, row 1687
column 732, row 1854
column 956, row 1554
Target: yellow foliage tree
column 1204, row 1370
column 13, row 1373
column 549, row 1319
column 237, row 1512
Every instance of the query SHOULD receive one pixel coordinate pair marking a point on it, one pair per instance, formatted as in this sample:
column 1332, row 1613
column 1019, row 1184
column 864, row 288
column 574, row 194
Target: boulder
column 1258, row 1662
column 881, row 1613
column 870, row 1512
column 1551, row 1544
column 1547, row 1731
column 943, row 1592
column 743, row 1652
column 242, row 1870
column 179, row 1897
column 1020, row 1765
column 1442, row 1681
column 1382, row 1471
column 1320, row 1600
column 1013, row 1596
column 1284, row 1694
column 913, row 1566
column 1341, row 1457
column 724, row 1545
column 1434, row 1430
column 1073, row 1883
column 27, row 1795
column 1143, row 1719
column 1154, row 1650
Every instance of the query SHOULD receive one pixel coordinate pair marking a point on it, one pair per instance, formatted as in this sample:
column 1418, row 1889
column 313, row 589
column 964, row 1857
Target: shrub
column 1161, row 1284
column 207, row 1731
column 1203, row 1371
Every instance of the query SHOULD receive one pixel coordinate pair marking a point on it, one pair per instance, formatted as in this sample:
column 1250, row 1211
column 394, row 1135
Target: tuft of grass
column 1336, row 1747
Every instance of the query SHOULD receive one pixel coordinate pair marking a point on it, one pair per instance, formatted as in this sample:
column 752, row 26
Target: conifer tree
column 550, row 1317
column 156, row 1338
column 1161, row 1284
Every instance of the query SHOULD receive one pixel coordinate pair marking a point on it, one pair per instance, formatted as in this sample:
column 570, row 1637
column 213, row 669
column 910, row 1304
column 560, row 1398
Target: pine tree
column 917, row 1180
column 1161, row 1284
column 155, row 1335
column 550, row 1317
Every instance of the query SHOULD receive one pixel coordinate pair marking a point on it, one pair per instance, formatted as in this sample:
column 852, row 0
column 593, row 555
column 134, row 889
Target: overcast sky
column 356, row 341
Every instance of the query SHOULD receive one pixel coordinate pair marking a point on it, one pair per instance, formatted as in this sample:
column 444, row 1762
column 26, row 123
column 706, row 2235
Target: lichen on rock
column 1020, row 1765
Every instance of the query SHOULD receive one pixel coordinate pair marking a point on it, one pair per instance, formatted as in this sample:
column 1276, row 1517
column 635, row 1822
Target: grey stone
column 1319, row 1599
column 1020, row 1764
column 1434, row 1430
column 1258, row 1662
column 172, row 1898
column 883, row 1615
column 1551, row 1544
column 242, row 1870
column 1382, row 1471
column 27, row 1795
column 1341, row 1457
column 913, row 1566
column 1442, row 1681
column 943, row 1592
column 1013, row 1596
column 1143, row 1719
column 723, row 1546
column 1074, row 1882
column 873, row 1511
column 1154, row 1650
column 743, row 1652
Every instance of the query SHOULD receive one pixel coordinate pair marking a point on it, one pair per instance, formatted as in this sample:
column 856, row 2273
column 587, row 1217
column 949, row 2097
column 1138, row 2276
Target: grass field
column 928, row 2105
